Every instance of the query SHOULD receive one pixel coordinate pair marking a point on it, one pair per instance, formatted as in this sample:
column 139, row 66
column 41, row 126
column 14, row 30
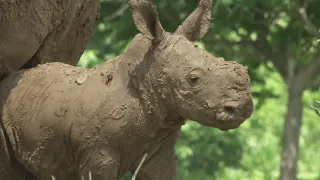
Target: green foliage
column 316, row 107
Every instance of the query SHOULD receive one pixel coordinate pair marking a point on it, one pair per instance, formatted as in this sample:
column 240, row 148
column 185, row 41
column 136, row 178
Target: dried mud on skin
column 67, row 121
column 36, row 32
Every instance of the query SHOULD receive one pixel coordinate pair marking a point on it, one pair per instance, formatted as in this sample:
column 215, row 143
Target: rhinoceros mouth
column 224, row 121
column 224, row 116
column 228, row 125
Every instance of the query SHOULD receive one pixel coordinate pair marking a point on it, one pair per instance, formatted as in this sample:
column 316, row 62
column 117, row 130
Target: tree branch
column 309, row 71
column 310, row 27
column 117, row 13
column 243, row 44
column 263, row 46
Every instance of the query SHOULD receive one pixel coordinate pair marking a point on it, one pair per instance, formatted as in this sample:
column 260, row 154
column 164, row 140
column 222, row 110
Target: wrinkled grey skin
column 66, row 121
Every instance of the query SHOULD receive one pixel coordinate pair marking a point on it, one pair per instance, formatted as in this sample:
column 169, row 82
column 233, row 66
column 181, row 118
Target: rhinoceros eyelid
column 197, row 72
column 195, row 79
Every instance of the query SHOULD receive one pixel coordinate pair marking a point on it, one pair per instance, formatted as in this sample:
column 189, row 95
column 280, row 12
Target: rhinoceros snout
column 232, row 114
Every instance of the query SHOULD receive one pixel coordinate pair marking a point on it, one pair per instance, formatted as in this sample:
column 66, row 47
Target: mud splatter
column 117, row 114
column 61, row 112
column 107, row 77
column 81, row 79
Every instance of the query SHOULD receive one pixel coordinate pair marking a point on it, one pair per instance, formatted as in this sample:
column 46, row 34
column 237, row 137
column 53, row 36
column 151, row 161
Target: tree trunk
column 290, row 148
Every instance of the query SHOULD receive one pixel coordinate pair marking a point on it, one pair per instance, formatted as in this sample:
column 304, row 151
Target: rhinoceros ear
column 146, row 19
column 196, row 25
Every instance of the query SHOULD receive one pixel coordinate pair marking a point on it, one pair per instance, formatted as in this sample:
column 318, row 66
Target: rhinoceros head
column 197, row 85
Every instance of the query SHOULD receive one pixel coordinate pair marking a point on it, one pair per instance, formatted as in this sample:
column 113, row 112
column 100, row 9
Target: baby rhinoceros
column 68, row 121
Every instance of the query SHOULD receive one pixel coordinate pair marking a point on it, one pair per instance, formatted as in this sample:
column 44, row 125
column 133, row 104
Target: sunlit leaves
column 89, row 59
column 253, row 36
column 242, row 31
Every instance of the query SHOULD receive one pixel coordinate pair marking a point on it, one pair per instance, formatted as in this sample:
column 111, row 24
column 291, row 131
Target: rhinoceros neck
column 133, row 70
column 141, row 69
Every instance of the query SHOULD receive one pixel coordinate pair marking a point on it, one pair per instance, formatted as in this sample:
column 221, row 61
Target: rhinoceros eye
column 194, row 79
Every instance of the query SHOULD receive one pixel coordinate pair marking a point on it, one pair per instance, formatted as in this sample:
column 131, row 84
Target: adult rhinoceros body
column 36, row 32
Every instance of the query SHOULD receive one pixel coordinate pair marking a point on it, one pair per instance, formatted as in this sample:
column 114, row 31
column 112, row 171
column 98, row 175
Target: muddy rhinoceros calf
column 67, row 121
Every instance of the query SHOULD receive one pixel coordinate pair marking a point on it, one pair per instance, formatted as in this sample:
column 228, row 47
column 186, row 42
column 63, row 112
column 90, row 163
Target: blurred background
column 279, row 41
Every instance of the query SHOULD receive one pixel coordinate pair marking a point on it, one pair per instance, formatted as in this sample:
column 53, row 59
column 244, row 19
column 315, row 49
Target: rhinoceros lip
column 225, row 126
column 223, row 116
column 227, row 122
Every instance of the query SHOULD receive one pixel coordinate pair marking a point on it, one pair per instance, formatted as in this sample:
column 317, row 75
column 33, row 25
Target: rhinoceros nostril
column 230, row 110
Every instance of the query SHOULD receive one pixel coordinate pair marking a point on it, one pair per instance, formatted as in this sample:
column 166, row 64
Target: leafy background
column 277, row 40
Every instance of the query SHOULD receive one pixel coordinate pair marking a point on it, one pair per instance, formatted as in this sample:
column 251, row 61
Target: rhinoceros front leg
column 162, row 166
column 102, row 164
